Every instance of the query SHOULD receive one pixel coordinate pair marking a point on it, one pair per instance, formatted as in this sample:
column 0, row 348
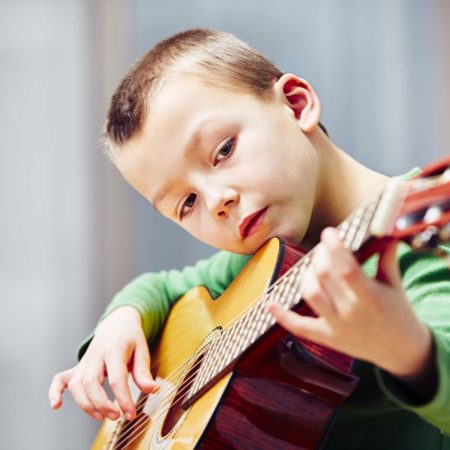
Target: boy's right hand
column 118, row 347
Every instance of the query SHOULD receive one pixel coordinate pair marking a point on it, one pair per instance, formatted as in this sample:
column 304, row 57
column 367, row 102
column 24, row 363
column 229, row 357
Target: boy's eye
column 224, row 151
column 188, row 204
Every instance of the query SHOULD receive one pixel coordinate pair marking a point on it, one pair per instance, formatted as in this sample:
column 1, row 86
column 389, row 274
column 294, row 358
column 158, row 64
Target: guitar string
column 304, row 260
column 182, row 392
column 167, row 400
column 229, row 325
column 142, row 424
column 265, row 297
column 206, row 348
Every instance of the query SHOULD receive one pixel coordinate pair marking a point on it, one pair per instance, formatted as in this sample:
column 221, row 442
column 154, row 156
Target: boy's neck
column 343, row 185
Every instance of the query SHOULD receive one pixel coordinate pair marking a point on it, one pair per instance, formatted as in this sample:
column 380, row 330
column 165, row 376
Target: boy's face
column 231, row 169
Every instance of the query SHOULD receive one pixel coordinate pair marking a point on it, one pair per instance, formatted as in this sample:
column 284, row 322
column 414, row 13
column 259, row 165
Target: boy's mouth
column 250, row 224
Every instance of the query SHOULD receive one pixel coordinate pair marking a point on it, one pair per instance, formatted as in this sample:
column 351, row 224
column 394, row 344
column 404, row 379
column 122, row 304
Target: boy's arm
column 427, row 284
column 153, row 294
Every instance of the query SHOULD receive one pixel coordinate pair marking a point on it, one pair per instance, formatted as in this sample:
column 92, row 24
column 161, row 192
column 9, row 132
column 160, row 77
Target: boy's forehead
column 184, row 102
column 181, row 111
column 176, row 105
column 196, row 91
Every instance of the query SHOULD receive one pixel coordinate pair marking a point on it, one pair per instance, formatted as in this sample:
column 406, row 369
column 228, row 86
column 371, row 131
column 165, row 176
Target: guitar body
column 273, row 398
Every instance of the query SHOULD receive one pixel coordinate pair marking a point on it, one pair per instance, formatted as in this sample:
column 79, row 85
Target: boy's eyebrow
column 192, row 143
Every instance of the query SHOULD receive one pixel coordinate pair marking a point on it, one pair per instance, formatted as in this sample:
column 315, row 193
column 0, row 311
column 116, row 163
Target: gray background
column 72, row 232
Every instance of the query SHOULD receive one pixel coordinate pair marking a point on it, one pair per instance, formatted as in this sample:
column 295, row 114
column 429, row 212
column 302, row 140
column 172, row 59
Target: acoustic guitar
column 231, row 378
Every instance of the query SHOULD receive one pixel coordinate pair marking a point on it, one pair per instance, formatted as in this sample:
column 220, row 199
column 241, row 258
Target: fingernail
column 112, row 415
column 128, row 415
column 98, row 416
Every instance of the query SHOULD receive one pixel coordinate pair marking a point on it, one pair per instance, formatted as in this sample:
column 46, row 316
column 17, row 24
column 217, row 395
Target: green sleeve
column 153, row 294
column 427, row 283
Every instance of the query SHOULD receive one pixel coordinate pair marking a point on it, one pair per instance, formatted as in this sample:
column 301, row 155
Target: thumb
column 141, row 369
column 388, row 269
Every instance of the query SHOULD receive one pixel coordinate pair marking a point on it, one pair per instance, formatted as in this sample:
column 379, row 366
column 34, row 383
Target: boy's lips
column 249, row 225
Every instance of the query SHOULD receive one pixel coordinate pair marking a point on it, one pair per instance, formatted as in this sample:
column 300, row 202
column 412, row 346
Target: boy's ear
column 301, row 99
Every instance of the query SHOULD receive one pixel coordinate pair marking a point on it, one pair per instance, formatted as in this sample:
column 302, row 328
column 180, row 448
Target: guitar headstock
column 416, row 211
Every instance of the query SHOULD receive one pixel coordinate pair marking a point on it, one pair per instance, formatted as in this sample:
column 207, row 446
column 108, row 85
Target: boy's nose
column 223, row 202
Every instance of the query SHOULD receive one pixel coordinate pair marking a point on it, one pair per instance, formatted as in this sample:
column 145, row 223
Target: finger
column 311, row 328
column 338, row 255
column 343, row 266
column 318, row 297
column 141, row 369
column 79, row 395
column 327, row 268
column 117, row 370
column 388, row 269
column 93, row 385
column 341, row 294
column 58, row 386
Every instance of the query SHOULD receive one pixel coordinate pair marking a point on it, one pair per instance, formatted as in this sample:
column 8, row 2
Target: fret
column 296, row 284
column 353, row 227
column 288, row 291
column 363, row 232
column 261, row 318
column 245, row 328
column 274, row 293
column 238, row 337
column 342, row 229
column 354, row 231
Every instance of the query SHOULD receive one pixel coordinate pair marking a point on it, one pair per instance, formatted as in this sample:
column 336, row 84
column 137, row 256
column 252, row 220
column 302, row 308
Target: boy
column 230, row 148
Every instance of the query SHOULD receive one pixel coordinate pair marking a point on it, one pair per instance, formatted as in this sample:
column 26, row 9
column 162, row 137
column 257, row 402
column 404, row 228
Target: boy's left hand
column 364, row 318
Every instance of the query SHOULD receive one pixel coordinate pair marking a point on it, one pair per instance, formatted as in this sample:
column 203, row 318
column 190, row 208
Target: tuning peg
column 431, row 238
column 444, row 234
column 446, row 175
column 427, row 238
column 433, row 214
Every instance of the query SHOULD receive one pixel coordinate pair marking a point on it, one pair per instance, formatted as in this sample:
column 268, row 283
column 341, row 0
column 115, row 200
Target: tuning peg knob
column 433, row 214
column 427, row 238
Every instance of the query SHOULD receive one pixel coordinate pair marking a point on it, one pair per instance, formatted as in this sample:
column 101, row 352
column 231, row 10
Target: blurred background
column 72, row 232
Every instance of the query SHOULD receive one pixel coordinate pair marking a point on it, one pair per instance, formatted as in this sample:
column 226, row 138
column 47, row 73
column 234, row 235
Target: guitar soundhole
column 176, row 409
